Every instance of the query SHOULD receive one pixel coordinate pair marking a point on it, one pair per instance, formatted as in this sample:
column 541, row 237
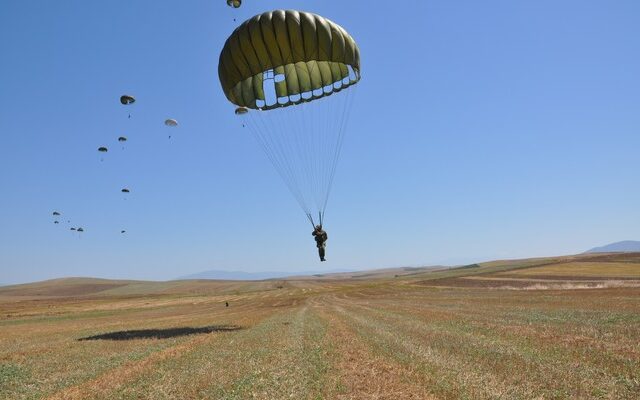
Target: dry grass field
column 559, row 328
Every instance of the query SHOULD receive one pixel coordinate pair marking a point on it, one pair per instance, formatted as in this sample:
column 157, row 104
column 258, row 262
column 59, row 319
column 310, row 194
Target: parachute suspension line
column 311, row 220
column 279, row 147
column 260, row 129
column 303, row 143
column 346, row 113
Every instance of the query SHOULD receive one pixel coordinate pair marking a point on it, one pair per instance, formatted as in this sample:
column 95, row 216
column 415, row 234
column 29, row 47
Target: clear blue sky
column 480, row 130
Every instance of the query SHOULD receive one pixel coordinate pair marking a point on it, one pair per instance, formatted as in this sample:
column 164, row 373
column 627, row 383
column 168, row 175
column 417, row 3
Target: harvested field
column 412, row 338
column 583, row 270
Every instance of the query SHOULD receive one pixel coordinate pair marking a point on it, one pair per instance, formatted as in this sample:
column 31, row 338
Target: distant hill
column 333, row 274
column 618, row 264
column 64, row 287
column 236, row 275
column 627, row 246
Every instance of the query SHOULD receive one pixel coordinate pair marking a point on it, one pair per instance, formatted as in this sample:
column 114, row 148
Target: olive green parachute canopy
column 72, row 229
column 80, row 230
column 125, row 190
column 122, row 139
column 126, row 99
column 103, row 149
column 241, row 110
column 234, row 3
column 305, row 55
column 171, row 122
column 56, row 213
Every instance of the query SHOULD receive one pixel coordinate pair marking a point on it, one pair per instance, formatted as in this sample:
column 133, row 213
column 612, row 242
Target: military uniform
column 321, row 241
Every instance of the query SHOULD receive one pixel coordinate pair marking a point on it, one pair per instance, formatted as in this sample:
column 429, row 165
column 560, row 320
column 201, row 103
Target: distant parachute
column 72, row 229
column 126, row 99
column 80, row 230
column 234, row 3
column 56, row 213
column 56, row 222
column 241, row 110
column 122, row 139
column 171, row 123
column 102, row 150
column 125, row 190
column 123, row 231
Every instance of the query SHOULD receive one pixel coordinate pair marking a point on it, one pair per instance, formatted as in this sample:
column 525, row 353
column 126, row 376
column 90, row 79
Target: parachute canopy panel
column 171, row 122
column 281, row 58
column 234, row 3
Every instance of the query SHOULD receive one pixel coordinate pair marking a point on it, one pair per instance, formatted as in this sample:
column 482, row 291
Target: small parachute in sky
column 80, row 230
column 56, row 222
column 125, row 190
column 125, row 99
column 56, row 213
column 241, row 111
column 72, row 229
column 122, row 139
column 172, row 123
column 123, row 231
column 102, row 150
column 234, row 3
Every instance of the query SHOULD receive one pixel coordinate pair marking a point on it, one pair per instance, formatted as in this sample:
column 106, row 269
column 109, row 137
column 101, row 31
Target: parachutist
column 321, row 240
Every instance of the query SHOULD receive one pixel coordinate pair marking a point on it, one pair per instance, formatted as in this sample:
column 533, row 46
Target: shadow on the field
column 161, row 333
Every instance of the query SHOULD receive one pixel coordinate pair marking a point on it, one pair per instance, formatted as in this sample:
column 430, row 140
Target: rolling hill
column 593, row 267
column 626, row 246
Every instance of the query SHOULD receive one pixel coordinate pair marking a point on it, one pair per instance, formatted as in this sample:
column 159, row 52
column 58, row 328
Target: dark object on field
column 226, row 304
column 160, row 333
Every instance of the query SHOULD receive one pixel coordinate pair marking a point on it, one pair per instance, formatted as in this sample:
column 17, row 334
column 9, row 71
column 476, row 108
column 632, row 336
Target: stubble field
column 430, row 335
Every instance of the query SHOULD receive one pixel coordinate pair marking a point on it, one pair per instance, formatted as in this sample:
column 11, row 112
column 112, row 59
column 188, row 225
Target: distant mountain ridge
column 248, row 276
column 626, row 246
